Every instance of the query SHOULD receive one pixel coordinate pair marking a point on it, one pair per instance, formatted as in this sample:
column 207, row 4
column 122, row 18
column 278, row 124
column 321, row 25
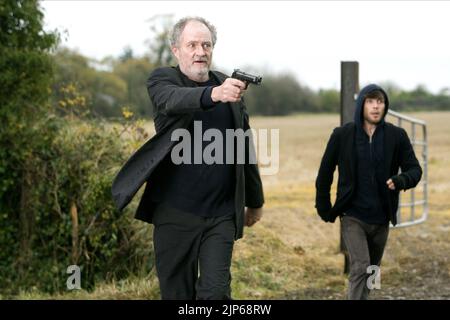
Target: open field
column 292, row 254
column 416, row 262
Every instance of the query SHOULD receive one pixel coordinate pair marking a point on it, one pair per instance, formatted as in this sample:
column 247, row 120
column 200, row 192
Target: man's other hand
column 390, row 184
column 252, row 215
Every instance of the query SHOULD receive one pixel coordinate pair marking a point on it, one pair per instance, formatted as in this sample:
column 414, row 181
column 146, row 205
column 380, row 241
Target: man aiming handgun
column 198, row 210
column 231, row 90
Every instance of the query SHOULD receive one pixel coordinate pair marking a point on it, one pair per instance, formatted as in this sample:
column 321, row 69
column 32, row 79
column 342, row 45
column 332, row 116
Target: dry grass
column 292, row 254
column 132, row 288
column 416, row 263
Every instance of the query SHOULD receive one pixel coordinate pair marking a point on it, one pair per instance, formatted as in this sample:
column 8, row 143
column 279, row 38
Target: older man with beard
column 197, row 209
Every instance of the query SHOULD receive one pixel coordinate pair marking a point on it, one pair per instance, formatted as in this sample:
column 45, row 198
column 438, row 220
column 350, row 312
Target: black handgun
column 245, row 77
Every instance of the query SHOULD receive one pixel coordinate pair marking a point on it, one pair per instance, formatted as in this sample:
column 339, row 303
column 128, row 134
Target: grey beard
column 203, row 72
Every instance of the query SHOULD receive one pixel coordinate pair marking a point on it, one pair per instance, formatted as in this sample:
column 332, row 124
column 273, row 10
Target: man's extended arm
column 170, row 98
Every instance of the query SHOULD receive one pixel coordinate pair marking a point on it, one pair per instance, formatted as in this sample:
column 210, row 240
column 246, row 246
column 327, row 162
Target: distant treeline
column 116, row 83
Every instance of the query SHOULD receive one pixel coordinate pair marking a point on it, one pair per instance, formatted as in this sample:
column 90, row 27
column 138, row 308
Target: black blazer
column 175, row 98
column 340, row 151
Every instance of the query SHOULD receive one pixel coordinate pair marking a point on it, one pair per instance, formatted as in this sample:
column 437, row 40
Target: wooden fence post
column 349, row 90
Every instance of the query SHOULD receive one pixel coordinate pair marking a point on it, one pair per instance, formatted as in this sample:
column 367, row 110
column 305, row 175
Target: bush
column 68, row 214
column 56, row 172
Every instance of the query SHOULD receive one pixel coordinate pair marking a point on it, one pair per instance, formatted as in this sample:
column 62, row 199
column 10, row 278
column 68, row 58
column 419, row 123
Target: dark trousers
column 365, row 244
column 186, row 245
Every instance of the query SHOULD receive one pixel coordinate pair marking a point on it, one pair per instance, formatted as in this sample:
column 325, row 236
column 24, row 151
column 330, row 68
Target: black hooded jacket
column 391, row 150
column 369, row 201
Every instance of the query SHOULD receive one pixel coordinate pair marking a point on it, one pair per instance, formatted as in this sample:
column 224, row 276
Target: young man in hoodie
column 368, row 153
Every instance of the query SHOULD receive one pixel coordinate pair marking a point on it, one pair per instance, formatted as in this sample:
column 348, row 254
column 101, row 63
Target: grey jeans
column 365, row 245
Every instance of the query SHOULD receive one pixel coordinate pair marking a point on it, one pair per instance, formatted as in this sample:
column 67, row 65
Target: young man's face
column 373, row 110
column 194, row 51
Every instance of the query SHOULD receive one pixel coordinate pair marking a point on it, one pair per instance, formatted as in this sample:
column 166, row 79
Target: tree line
column 114, row 83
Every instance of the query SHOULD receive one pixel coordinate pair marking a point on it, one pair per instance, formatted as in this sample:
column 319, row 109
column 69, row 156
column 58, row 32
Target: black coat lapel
column 352, row 152
column 348, row 144
column 236, row 107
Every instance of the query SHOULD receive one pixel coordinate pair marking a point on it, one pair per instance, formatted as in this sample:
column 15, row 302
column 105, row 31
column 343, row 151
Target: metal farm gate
column 413, row 206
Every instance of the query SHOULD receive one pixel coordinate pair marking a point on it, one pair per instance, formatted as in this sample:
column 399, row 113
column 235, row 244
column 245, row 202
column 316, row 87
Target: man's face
column 194, row 51
column 373, row 110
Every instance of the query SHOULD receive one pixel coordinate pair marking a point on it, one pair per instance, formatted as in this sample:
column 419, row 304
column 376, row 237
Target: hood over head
column 360, row 103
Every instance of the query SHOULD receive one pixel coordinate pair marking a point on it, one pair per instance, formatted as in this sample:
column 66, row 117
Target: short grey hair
column 181, row 24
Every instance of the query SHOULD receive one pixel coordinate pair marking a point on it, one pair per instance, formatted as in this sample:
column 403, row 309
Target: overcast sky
column 406, row 42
